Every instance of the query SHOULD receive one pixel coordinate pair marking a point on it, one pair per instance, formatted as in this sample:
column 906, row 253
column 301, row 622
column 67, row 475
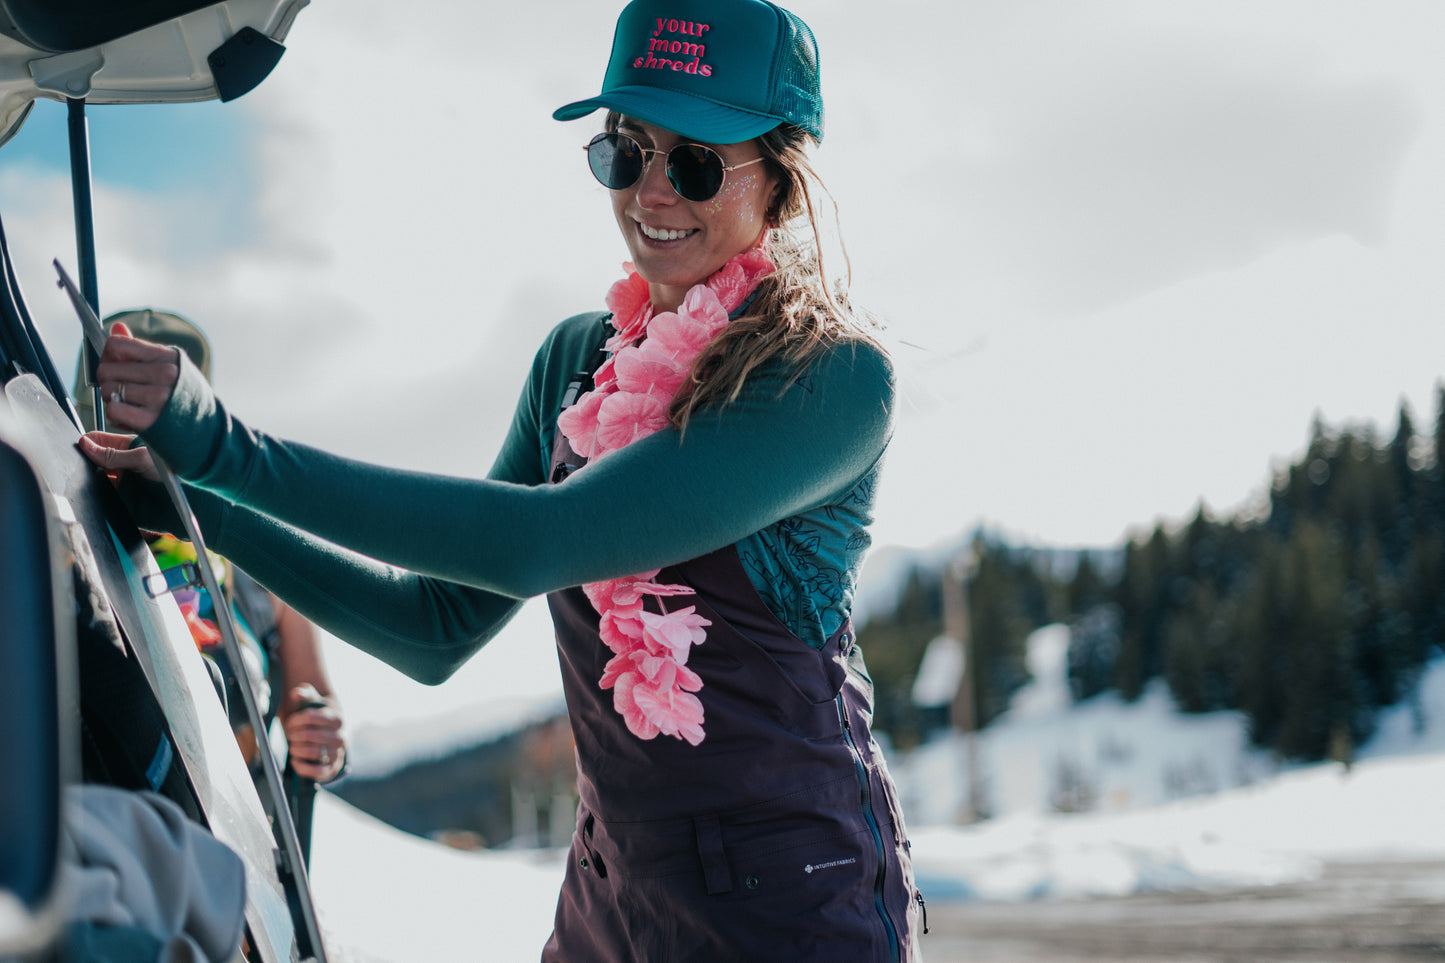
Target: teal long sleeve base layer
column 421, row 570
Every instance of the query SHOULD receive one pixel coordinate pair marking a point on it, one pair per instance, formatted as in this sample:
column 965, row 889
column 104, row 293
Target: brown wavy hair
column 795, row 313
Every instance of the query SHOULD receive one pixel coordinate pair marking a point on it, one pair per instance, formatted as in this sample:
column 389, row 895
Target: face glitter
column 730, row 191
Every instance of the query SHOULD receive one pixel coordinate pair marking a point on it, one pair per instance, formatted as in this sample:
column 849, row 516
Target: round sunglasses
column 696, row 172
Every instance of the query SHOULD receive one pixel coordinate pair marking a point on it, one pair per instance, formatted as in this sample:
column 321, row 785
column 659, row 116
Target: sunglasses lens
column 695, row 171
column 616, row 161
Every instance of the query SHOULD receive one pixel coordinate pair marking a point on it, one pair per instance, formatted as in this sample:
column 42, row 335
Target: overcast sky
column 1125, row 251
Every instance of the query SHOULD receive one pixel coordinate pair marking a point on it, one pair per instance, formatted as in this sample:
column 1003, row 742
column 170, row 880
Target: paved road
column 1356, row 912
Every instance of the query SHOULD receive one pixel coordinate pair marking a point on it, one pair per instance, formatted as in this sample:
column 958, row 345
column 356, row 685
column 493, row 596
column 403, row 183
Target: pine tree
column 999, row 628
column 1384, row 660
column 1436, row 478
column 1087, row 588
column 1093, row 650
column 1262, row 623
column 1401, row 516
column 1202, row 653
column 1186, row 654
column 1319, row 702
column 1144, row 595
column 1422, row 595
column 1297, row 492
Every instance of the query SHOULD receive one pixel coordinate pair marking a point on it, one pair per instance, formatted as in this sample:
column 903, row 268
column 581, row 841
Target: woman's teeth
column 663, row 235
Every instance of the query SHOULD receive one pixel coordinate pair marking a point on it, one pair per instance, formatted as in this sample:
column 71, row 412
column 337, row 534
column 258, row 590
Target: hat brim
column 684, row 114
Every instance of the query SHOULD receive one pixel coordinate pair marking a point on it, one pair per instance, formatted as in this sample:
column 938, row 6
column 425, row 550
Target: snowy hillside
column 1160, row 800
column 1045, row 754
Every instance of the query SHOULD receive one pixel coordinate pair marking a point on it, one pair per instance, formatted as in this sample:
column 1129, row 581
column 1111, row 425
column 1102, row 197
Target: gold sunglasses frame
column 646, row 160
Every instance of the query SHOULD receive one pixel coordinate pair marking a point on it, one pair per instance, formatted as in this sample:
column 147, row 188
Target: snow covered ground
column 384, row 896
column 1164, row 801
column 1175, row 803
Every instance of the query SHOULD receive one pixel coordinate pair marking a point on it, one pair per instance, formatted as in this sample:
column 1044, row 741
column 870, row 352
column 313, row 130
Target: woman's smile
column 665, row 235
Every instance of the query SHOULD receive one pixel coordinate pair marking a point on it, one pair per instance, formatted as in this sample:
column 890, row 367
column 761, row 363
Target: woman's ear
column 775, row 205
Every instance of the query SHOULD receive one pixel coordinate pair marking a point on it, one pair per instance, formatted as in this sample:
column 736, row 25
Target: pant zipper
column 867, row 795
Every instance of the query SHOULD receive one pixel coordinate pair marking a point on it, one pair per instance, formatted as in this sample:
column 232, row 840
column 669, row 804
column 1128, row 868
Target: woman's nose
column 654, row 189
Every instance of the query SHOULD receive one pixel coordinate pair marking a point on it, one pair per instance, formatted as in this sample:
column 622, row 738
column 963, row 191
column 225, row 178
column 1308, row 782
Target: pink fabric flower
column 649, row 369
column 675, row 632
column 579, row 423
column 626, row 705
column 621, row 666
column 652, row 686
column 629, row 590
column 616, row 591
column 704, row 307
column 651, row 708
column 621, row 629
column 628, row 300
column 605, row 378
column 625, row 417
column 738, row 277
column 671, row 711
column 662, row 672
column 669, row 331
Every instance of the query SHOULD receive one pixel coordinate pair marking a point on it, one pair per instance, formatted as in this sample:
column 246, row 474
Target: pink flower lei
column 651, row 357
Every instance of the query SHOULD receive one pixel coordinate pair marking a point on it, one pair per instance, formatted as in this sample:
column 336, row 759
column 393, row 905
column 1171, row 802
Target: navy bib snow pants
column 779, row 837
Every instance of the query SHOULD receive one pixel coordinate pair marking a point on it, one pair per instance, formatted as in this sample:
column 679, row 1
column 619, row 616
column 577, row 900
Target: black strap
column 581, row 383
column 584, row 381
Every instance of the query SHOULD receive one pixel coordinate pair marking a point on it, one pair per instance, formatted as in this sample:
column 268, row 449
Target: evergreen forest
column 1308, row 613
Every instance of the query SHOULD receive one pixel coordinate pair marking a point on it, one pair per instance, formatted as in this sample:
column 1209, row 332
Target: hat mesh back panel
column 798, row 95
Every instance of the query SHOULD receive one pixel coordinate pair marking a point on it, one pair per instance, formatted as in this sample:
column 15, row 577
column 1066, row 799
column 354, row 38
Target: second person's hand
column 136, row 380
column 315, row 734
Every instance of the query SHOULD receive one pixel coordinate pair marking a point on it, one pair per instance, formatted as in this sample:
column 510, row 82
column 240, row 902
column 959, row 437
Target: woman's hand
column 113, row 452
column 314, row 734
column 136, row 379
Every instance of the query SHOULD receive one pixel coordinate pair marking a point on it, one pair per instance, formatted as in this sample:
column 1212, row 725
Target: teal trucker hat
column 719, row 71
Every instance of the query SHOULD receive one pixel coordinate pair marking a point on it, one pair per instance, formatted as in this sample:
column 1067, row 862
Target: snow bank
column 1260, row 835
column 385, row 896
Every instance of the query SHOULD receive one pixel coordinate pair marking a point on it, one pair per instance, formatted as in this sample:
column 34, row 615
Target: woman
column 688, row 476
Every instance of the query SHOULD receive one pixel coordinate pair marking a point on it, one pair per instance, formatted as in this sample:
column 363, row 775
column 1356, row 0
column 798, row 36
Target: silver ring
column 121, row 392
column 114, row 397
column 325, row 757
